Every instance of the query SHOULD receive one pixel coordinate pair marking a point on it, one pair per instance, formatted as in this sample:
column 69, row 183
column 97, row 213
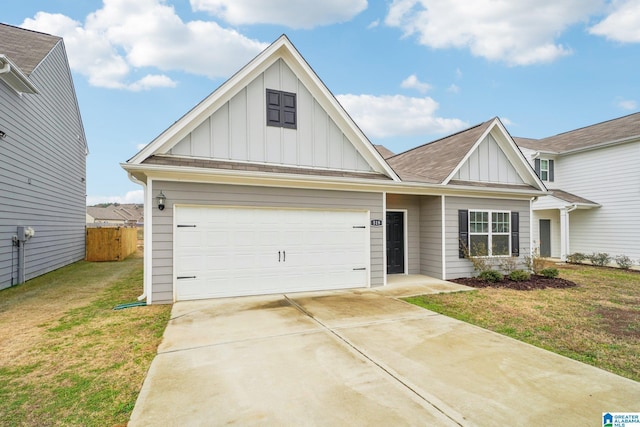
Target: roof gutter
column 15, row 78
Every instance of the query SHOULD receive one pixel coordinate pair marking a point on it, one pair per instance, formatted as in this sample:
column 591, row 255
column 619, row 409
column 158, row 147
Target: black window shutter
column 550, row 170
column 537, row 166
column 289, row 110
column 515, row 234
column 274, row 102
column 463, row 233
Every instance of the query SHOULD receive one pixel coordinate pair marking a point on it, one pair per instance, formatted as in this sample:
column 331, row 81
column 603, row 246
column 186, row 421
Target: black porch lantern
column 161, row 199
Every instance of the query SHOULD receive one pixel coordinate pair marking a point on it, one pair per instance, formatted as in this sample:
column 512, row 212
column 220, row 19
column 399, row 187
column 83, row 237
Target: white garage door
column 223, row 252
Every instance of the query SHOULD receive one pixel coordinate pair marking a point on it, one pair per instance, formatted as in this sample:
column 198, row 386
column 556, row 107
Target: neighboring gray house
column 42, row 157
column 268, row 186
column 130, row 215
column 593, row 175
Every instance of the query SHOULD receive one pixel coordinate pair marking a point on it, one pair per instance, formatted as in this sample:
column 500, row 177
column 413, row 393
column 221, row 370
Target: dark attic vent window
column 281, row 109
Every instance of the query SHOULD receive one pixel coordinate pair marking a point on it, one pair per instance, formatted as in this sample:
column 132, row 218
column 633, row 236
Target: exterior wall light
column 161, row 199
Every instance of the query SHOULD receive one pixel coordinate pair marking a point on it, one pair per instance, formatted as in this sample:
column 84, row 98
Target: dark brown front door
column 395, row 242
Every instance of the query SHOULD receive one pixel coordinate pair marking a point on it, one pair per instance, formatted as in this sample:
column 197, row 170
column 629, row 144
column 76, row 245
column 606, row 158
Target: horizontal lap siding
column 42, row 172
column 457, row 267
column 431, row 236
column 247, row 196
column 412, row 205
column 611, row 177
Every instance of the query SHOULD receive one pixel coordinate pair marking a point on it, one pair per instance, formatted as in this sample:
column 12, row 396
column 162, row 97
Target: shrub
column 576, row 258
column 600, row 258
column 508, row 264
column 519, row 275
column 492, row 276
column 624, row 261
column 550, row 272
column 479, row 262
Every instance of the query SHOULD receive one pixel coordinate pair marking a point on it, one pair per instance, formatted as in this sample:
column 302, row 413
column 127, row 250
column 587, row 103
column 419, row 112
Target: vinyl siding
column 554, row 216
column 457, row 267
column 488, row 163
column 42, row 172
column 229, row 195
column 412, row 205
column 238, row 130
column 611, row 177
column 431, row 236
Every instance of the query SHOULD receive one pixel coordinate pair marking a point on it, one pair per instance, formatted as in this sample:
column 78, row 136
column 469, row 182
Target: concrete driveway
column 361, row 358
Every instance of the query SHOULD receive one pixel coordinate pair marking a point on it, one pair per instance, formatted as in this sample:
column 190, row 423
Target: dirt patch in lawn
column 535, row 282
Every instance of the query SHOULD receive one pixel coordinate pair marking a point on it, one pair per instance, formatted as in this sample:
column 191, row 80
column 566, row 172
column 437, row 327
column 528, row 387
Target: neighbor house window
column 544, row 169
column 281, row 109
column 489, row 233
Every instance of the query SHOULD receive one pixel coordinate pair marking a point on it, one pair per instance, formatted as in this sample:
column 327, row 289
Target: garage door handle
column 360, row 269
column 186, row 277
column 278, row 256
column 284, row 256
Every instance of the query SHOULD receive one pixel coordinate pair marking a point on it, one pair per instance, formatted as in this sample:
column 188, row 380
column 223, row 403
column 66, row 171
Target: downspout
column 144, row 273
column 531, row 241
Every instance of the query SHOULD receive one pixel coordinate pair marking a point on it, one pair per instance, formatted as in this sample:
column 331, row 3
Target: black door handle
column 284, row 256
column 278, row 256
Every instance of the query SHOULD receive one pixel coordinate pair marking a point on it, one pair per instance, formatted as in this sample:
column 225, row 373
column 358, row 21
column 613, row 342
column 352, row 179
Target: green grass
column 70, row 358
column 597, row 322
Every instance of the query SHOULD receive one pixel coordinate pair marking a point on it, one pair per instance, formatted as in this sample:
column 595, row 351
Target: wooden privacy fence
column 110, row 243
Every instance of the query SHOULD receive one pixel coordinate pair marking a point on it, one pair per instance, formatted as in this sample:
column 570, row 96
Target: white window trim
column 490, row 233
column 544, row 170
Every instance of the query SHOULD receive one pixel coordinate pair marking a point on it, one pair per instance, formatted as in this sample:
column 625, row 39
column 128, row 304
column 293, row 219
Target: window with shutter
column 488, row 233
column 281, row 109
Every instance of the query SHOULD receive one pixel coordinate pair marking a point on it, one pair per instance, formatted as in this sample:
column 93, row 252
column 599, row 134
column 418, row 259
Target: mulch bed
column 535, row 282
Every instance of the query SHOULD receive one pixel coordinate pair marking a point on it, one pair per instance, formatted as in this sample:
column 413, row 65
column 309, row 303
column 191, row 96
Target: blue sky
column 408, row 71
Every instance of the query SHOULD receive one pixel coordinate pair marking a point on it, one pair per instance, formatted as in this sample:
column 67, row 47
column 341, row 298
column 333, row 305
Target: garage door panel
column 248, row 251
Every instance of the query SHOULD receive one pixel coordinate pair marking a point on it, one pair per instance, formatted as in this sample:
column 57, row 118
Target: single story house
column 268, row 186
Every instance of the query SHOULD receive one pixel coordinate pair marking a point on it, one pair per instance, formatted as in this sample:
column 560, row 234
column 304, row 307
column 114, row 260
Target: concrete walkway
column 361, row 358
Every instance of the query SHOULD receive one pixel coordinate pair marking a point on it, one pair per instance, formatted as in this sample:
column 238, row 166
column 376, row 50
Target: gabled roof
column 434, row 162
column 438, row 162
column 25, row 48
column 21, row 51
column 384, row 151
column 610, row 132
column 283, row 49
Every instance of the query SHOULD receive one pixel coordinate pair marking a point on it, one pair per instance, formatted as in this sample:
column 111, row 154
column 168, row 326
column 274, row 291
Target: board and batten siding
column 488, row 163
column 460, row 267
column 431, row 236
column 610, row 177
column 237, row 131
column 410, row 204
column 249, row 196
column 42, row 173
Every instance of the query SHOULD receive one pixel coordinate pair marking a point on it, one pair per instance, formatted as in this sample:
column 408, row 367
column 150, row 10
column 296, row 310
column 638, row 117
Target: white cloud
column 397, row 115
column 622, row 24
column 117, row 40
column 135, row 196
column 292, row 14
column 505, row 121
column 453, row 88
column 412, row 82
column 373, row 24
column 626, row 104
column 516, row 32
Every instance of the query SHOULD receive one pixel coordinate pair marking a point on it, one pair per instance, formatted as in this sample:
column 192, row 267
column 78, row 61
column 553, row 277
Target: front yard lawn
column 597, row 322
column 67, row 357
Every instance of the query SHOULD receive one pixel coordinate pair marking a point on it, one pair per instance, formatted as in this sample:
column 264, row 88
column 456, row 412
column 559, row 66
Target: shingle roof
column 25, row 48
column 384, row 151
column 433, row 162
column 602, row 133
column 572, row 198
column 249, row 167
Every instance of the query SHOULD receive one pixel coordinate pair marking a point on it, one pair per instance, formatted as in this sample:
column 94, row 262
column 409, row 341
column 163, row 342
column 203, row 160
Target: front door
column 545, row 237
column 395, row 242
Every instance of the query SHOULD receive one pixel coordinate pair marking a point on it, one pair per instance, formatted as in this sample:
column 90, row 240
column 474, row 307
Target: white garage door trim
column 264, row 250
